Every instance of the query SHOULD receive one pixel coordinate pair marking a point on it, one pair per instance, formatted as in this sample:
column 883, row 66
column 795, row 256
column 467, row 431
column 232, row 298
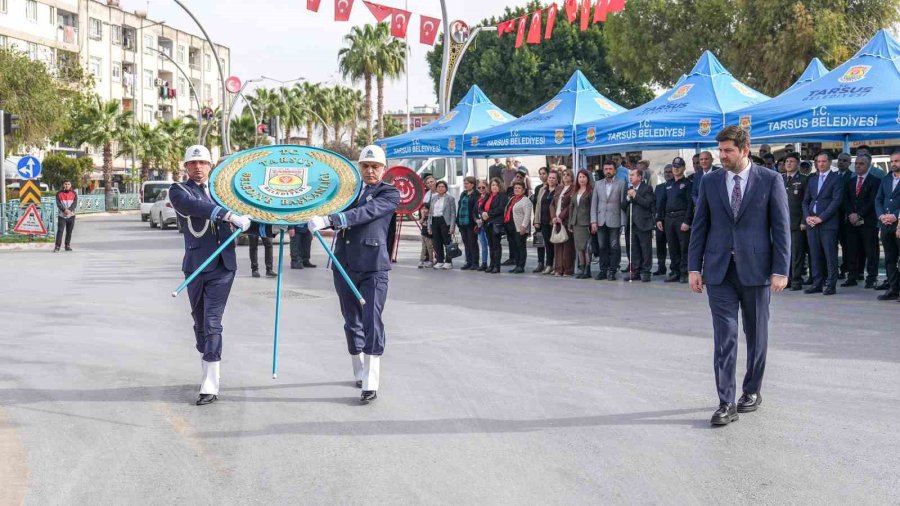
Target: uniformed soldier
column 362, row 235
column 795, row 185
column 675, row 213
column 204, row 225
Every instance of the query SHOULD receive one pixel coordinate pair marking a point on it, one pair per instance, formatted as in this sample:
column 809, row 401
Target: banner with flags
column 381, row 12
column 534, row 31
column 342, row 10
column 551, row 19
column 520, row 33
column 313, row 5
column 428, row 29
column 399, row 23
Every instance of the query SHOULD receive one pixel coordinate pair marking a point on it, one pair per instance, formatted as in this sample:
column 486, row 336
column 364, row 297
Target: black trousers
column 843, row 239
column 661, row 250
column 64, row 224
column 610, row 248
column 300, row 247
column 595, row 245
column 823, row 245
column 254, row 252
column 440, row 234
column 799, row 250
column 518, row 252
column 641, row 253
column 891, row 246
column 627, row 228
column 546, row 255
column 470, row 243
column 862, row 249
column 678, row 242
column 495, row 243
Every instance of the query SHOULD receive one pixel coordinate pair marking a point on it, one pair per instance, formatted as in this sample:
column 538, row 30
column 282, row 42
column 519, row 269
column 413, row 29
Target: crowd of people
column 576, row 220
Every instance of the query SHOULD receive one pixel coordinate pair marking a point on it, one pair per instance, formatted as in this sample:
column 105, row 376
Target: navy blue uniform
column 676, row 208
column 361, row 249
column 660, row 234
column 204, row 227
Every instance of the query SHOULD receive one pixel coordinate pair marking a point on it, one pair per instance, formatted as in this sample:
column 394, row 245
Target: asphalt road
column 496, row 390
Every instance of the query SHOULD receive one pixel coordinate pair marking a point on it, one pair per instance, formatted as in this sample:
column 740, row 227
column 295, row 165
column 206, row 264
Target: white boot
column 371, row 372
column 209, row 383
column 357, row 367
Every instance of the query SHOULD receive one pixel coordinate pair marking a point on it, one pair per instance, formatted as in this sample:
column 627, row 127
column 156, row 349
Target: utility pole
column 3, row 225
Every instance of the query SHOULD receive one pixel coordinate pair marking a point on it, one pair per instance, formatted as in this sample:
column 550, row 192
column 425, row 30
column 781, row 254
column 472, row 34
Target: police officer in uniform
column 362, row 235
column 795, row 186
column 204, row 225
column 675, row 213
column 661, row 243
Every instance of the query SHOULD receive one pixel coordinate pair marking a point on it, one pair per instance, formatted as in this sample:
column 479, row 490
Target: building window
column 115, row 32
column 207, row 92
column 148, row 114
column 116, row 71
column 148, row 44
column 95, row 28
column 207, row 62
column 32, row 51
column 181, row 87
column 181, row 53
column 31, row 10
column 95, row 65
column 148, row 78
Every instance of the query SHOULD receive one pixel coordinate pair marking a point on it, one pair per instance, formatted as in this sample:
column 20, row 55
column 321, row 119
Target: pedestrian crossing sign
column 30, row 222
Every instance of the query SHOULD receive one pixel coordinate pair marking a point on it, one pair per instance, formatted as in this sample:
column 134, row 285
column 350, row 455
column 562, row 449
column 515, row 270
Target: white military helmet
column 196, row 152
column 372, row 153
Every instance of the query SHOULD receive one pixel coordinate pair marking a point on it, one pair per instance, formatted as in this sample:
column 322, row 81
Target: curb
column 26, row 246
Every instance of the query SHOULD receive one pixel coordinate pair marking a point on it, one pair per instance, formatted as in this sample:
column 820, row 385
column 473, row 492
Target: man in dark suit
column 862, row 224
column 844, row 162
column 740, row 247
column 674, row 214
column 821, row 211
column 795, row 186
column 640, row 205
column 204, row 224
column 705, row 163
column 887, row 208
column 362, row 234
column 661, row 244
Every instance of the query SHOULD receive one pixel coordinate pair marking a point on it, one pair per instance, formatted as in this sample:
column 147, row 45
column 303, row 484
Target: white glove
column 279, row 228
column 318, row 223
column 242, row 222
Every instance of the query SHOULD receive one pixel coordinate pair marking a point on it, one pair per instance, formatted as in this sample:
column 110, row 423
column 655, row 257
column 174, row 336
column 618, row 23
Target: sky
column 283, row 40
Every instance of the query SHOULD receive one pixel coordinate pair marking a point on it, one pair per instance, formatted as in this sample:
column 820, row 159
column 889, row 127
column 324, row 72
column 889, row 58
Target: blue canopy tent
column 687, row 116
column 444, row 137
column 858, row 100
column 549, row 129
column 813, row 71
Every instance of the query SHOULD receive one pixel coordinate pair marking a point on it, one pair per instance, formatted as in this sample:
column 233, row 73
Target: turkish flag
column 551, row 18
column 534, row 32
column 313, row 5
column 428, row 29
column 399, row 23
column 600, row 12
column 520, row 33
column 381, row 12
column 572, row 10
column 342, row 9
column 616, row 5
column 585, row 14
column 504, row 27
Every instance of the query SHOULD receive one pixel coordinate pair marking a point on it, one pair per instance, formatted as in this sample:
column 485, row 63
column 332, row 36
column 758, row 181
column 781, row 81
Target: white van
column 452, row 171
column 150, row 191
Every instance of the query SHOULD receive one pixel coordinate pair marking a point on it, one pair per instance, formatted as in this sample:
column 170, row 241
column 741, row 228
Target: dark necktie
column 736, row 196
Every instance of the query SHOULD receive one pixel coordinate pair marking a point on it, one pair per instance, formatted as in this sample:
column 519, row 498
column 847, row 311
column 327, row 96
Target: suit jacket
column 496, row 209
column 363, row 229
column 472, row 203
column 194, row 210
column 449, row 213
column 643, row 208
column 795, row 186
column 864, row 203
column 887, row 201
column 827, row 203
column 607, row 211
column 758, row 238
column 566, row 198
column 580, row 212
column 660, row 193
column 695, row 183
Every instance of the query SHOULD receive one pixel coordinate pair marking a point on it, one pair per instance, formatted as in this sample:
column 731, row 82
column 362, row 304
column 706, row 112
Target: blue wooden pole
column 340, row 268
column 215, row 253
column 277, row 306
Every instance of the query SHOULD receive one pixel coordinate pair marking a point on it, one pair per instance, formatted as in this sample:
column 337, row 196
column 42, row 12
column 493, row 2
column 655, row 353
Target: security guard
column 363, row 231
column 675, row 213
column 795, row 185
column 204, row 225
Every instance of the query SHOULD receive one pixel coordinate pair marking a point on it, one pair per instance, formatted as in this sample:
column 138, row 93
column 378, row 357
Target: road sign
column 29, row 193
column 233, row 84
column 30, row 222
column 29, row 167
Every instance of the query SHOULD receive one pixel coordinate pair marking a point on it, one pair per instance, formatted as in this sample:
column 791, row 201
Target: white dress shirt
column 729, row 181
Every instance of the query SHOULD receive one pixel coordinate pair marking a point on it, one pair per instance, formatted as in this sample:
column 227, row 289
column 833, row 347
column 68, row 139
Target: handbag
column 499, row 229
column 559, row 235
column 453, row 249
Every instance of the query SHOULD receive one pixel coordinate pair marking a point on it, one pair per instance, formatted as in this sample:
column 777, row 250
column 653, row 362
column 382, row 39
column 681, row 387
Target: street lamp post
column 193, row 90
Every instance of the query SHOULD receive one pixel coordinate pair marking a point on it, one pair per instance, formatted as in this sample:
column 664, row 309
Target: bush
column 58, row 168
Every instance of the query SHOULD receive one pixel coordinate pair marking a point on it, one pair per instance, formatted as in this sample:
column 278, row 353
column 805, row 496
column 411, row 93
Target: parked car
column 162, row 214
column 149, row 193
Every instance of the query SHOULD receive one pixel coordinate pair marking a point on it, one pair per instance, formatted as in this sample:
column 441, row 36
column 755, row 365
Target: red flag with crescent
column 381, row 12
column 504, row 27
column 313, row 5
column 534, row 32
column 520, row 33
column 551, row 19
column 342, row 10
column 428, row 29
column 615, row 6
column 399, row 23
column 600, row 12
column 585, row 14
column 572, row 10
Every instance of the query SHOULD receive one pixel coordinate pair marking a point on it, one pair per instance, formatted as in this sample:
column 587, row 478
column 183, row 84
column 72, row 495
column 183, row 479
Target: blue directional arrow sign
column 29, row 167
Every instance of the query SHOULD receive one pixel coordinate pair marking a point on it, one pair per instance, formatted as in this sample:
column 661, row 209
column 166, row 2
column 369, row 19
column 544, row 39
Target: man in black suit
column 887, row 208
column 844, row 161
column 640, row 204
column 660, row 191
column 740, row 247
column 862, row 224
column 821, row 211
column 795, row 185
column 705, row 161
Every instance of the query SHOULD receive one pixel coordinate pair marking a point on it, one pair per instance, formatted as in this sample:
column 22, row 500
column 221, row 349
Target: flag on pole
column 399, row 23
column 520, row 33
column 381, row 12
column 504, row 27
column 551, row 19
column 585, row 14
column 342, row 10
column 313, row 5
column 572, row 10
column 600, row 12
column 428, row 29
column 534, row 32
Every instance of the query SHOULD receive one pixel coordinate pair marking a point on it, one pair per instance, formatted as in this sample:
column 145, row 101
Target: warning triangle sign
column 30, row 222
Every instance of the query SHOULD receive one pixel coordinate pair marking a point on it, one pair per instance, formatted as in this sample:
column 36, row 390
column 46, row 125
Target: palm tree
column 359, row 61
column 294, row 109
column 309, row 91
column 324, row 107
column 179, row 135
column 101, row 124
column 391, row 65
column 148, row 144
column 243, row 130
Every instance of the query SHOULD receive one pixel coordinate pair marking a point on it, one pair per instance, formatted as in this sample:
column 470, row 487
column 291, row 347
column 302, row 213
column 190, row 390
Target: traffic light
column 10, row 123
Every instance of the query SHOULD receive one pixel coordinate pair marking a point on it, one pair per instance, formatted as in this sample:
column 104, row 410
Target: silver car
column 162, row 214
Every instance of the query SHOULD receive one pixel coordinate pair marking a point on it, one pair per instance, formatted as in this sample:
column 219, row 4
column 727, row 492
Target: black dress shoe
column 659, row 272
column 870, row 285
column 482, row 267
column 749, row 403
column 508, row 261
column 495, row 270
column 367, row 396
column 296, row 265
column 673, row 278
column 645, row 279
column 813, row 289
column 600, row 276
column 829, row 291
column 358, row 383
column 884, row 285
column 307, row 263
column 518, row 270
column 206, row 399
column 465, row 267
column 683, row 280
column 69, row 248
column 56, row 249
column 726, row 414
column 271, row 274
column 538, row 269
column 255, row 274
column 796, row 287
column 889, row 296
column 842, row 275
column 513, row 270
column 611, row 276
column 626, row 268
column 849, row 282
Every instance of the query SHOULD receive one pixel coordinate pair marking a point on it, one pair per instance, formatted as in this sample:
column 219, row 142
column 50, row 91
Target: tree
column 57, row 168
column 244, row 134
column 391, row 126
column 359, row 61
column 391, row 65
column 101, row 124
column 147, row 144
column 764, row 43
column 519, row 80
column 179, row 133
